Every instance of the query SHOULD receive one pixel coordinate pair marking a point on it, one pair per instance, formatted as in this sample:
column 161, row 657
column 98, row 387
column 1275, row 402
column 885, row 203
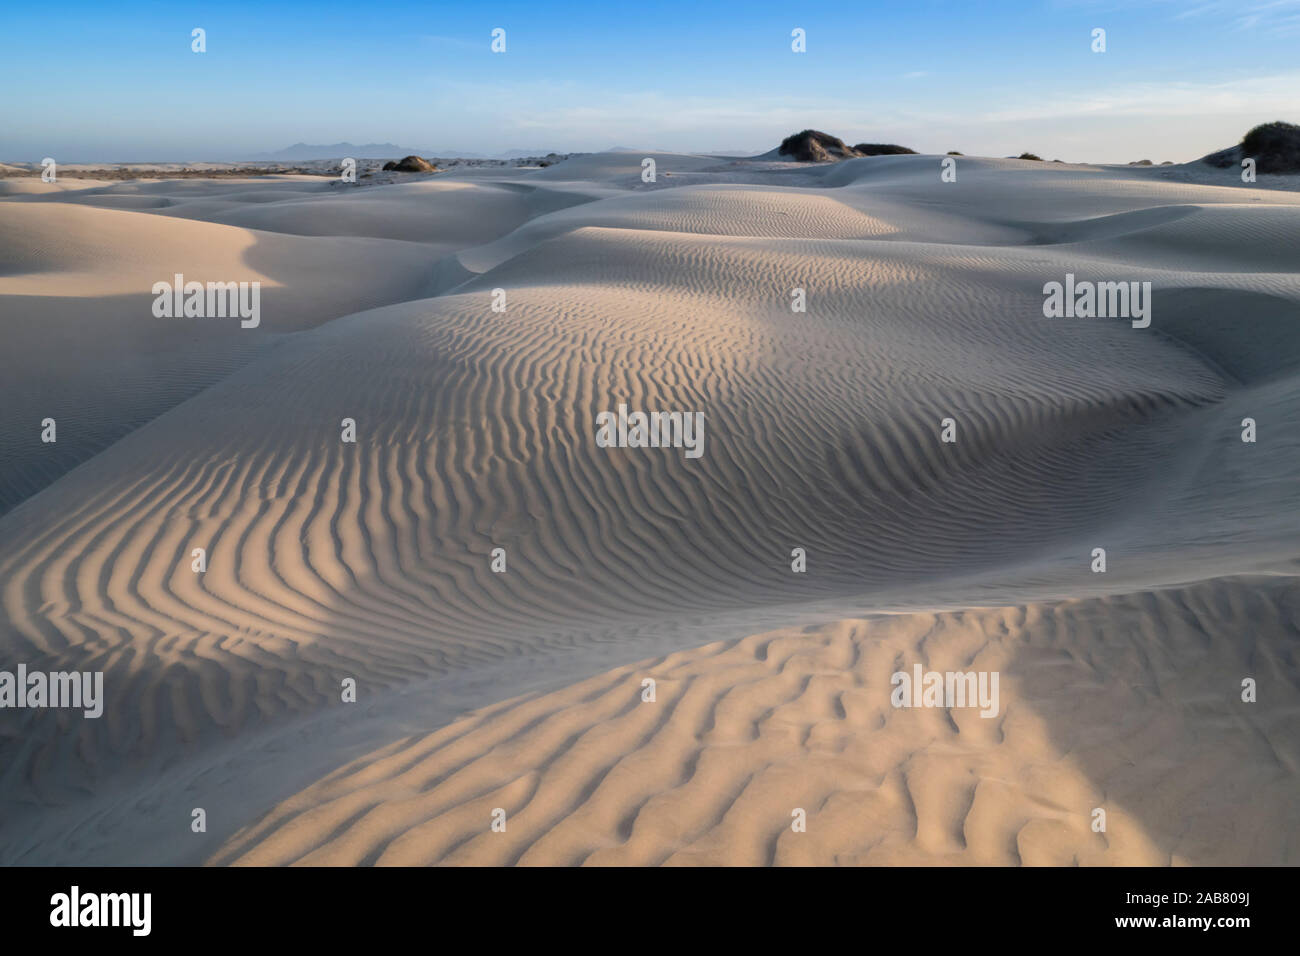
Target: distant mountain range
column 301, row 152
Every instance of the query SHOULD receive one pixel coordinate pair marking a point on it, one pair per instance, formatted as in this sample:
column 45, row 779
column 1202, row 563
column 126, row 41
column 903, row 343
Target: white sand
column 475, row 431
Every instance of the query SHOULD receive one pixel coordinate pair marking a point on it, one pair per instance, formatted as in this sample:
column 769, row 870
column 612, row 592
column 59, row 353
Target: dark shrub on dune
column 410, row 164
column 1275, row 147
column 1037, row 159
column 883, row 149
column 814, row 146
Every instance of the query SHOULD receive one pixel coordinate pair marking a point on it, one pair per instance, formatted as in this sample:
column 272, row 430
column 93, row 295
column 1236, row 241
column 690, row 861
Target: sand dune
column 475, row 431
column 1103, row 702
column 100, row 363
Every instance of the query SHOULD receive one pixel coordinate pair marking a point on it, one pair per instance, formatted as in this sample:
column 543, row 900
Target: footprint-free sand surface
column 522, row 693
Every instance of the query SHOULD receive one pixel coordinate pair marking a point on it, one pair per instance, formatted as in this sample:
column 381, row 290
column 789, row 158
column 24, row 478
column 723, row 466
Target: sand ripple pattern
column 475, row 430
column 741, row 734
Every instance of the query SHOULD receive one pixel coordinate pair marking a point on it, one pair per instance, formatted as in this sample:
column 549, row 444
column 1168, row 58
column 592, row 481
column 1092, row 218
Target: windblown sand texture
column 523, row 690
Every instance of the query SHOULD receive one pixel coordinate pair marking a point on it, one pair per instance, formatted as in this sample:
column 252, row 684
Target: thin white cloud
column 433, row 39
column 544, row 106
column 1278, row 17
column 1280, row 93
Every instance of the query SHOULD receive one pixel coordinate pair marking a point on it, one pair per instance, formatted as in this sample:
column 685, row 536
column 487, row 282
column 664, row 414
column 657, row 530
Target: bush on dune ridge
column 411, row 164
column 814, row 146
column 1275, row 147
column 883, row 149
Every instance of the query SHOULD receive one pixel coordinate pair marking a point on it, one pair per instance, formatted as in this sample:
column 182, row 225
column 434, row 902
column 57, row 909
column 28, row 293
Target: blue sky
column 118, row 81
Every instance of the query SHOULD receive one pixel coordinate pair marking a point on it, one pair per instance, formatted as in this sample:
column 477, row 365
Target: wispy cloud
column 1277, row 93
column 552, row 106
column 1277, row 17
column 433, row 39
column 1274, row 17
column 1112, row 124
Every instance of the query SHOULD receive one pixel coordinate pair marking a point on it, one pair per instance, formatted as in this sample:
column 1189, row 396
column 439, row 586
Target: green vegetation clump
column 814, row 146
column 883, row 149
column 1275, row 147
column 410, row 164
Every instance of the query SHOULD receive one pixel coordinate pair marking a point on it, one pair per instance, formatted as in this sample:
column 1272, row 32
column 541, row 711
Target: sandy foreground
column 524, row 692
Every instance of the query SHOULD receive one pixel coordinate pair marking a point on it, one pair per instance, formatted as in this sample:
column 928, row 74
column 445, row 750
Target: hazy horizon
column 1177, row 80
